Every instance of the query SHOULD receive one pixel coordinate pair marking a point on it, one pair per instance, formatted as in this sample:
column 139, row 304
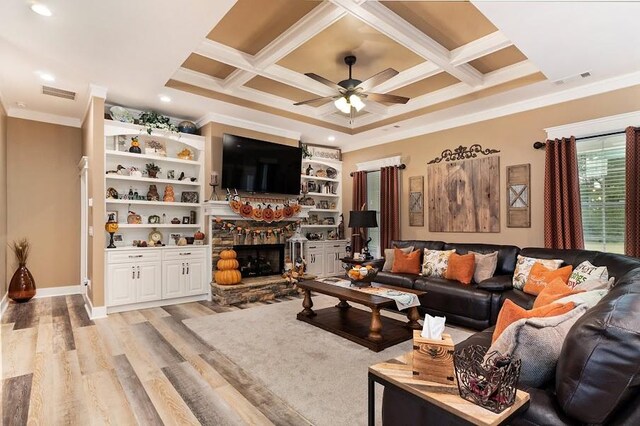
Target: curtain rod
column 400, row 166
column 541, row 145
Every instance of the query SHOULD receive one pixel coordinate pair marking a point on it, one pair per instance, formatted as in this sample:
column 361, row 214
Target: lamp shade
column 363, row 219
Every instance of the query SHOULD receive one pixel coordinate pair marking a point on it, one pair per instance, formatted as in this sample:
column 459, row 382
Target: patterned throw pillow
column 539, row 277
column 586, row 271
column 435, row 262
column 524, row 265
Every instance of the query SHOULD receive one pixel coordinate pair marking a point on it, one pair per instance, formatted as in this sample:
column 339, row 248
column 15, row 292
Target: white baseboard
column 94, row 312
column 59, row 291
column 157, row 303
column 4, row 304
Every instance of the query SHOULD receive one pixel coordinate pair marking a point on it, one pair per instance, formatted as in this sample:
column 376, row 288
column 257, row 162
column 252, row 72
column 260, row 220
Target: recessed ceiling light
column 47, row 77
column 331, row 138
column 165, row 98
column 41, row 9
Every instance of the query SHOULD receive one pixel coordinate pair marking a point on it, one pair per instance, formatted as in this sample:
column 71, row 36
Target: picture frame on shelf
column 330, row 221
column 190, row 197
column 118, row 238
column 112, row 212
column 313, row 219
column 323, row 204
column 312, row 187
column 186, row 220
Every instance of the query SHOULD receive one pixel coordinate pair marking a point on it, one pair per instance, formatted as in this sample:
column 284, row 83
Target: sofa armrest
column 497, row 283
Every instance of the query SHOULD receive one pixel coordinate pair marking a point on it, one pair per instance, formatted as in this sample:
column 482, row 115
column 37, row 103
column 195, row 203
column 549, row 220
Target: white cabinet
column 149, row 275
column 323, row 257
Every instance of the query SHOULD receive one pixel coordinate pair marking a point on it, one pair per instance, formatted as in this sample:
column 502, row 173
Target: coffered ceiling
column 443, row 51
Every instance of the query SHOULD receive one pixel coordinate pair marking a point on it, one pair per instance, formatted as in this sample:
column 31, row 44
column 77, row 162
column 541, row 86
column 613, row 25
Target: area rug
column 320, row 375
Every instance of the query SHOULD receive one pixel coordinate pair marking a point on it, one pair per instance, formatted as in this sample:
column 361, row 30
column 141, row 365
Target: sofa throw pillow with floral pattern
column 435, row 262
column 524, row 265
column 586, row 271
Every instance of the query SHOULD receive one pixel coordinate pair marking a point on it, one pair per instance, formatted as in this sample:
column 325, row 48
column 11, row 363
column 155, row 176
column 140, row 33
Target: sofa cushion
column 497, row 283
column 524, row 265
column 597, row 372
column 485, row 265
column 460, row 268
column 435, row 262
column 555, row 290
column 454, row 297
column 540, row 276
column 389, row 257
column 506, row 254
column 510, row 313
column 407, row 263
column 586, row 271
column 398, row 280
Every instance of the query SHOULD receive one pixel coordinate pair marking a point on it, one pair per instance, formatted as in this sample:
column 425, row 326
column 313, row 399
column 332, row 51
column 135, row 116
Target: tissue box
column 433, row 359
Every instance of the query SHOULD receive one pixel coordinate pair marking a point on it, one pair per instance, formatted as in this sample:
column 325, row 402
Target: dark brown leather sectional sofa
column 597, row 377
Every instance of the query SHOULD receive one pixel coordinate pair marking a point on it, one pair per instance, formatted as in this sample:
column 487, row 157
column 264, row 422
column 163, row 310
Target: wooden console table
column 398, row 373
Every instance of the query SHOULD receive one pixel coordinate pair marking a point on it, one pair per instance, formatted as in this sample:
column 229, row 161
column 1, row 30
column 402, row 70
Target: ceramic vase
column 22, row 287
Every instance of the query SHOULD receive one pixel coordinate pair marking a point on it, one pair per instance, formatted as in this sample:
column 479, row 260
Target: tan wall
column 213, row 133
column 513, row 136
column 93, row 147
column 43, row 198
column 3, row 202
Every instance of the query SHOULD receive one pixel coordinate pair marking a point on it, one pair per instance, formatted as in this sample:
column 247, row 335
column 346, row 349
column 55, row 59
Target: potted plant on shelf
column 22, row 286
column 152, row 120
column 152, row 170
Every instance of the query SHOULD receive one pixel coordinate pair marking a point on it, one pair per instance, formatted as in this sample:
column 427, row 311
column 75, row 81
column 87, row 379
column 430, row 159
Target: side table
column 398, row 374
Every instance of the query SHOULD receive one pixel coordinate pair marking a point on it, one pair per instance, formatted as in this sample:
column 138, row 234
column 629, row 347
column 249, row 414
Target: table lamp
column 363, row 219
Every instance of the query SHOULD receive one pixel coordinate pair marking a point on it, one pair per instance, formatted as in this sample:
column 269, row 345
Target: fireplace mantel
column 222, row 210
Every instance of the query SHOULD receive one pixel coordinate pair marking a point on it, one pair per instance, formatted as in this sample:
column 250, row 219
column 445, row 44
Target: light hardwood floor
column 140, row 367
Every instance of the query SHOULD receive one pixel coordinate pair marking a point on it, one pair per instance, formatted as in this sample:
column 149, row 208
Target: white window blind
column 601, row 167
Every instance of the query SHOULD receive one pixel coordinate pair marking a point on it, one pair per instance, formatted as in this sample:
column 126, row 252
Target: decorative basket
column 488, row 380
column 362, row 280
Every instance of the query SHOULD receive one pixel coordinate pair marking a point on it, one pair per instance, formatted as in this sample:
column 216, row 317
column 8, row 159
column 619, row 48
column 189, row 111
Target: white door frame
column 83, row 172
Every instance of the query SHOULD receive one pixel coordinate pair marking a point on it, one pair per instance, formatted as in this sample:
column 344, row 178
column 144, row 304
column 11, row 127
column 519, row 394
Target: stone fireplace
column 260, row 260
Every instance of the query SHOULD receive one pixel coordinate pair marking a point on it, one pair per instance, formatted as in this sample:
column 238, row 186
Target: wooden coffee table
column 368, row 329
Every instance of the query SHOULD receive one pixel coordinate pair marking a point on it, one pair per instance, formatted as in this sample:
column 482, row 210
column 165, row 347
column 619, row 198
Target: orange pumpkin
column 257, row 213
column 267, row 214
column 228, row 254
column 288, row 211
column 277, row 214
column 246, row 210
column 228, row 277
column 225, row 264
column 235, row 205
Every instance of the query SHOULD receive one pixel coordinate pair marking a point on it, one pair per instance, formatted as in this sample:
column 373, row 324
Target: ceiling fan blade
column 377, row 79
column 324, row 81
column 393, row 99
column 310, row 101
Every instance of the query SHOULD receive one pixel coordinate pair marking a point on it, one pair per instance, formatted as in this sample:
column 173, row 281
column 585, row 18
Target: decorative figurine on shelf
column 169, row 196
column 182, row 241
column 112, row 193
column 111, row 227
column 134, row 219
column 309, row 170
column 153, row 195
column 154, row 219
column 135, row 146
column 175, row 221
column 155, row 237
column 152, row 170
column 341, row 228
column 185, row 154
column 181, row 176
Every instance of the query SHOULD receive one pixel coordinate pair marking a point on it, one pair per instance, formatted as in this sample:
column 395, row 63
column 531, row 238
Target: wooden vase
column 22, row 287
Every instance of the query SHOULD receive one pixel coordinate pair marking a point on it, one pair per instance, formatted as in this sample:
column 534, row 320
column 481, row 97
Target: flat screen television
column 258, row 166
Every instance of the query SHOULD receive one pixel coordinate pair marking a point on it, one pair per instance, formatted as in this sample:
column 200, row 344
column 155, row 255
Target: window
column 601, row 167
column 373, row 203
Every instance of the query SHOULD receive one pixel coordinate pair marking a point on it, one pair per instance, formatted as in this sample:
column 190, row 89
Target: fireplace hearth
column 260, row 260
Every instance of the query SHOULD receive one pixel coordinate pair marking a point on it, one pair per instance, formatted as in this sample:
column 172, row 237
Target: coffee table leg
column 376, row 325
column 413, row 315
column 372, row 402
column 343, row 304
column 307, row 304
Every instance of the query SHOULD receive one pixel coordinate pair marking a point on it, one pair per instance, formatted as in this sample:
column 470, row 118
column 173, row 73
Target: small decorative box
column 433, row 359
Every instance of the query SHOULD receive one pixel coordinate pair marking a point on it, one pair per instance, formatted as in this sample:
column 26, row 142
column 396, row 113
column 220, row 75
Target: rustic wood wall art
column 464, row 196
column 519, row 196
column 416, row 201
column 463, row 153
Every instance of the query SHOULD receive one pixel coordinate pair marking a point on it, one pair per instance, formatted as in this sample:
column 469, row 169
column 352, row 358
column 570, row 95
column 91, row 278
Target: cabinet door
column 173, row 279
column 330, row 263
column 121, row 284
column 148, row 282
column 315, row 262
column 195, row 277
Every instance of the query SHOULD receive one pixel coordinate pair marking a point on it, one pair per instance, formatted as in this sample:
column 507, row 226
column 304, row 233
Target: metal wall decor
column 463, row 153
column 416, row 201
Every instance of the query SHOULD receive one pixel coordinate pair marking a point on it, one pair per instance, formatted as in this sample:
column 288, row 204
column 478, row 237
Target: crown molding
column 463, row 119
column 581, row 129
column 27, row 114
column 97, row 91
column 249, row 125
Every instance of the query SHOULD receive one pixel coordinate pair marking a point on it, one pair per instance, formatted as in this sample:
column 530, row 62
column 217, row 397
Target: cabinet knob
column 183, row 269
column 138, row 272
column 187, row 269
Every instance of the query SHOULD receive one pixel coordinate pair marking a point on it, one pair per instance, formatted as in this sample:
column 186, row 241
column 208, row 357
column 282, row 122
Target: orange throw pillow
column 511, row 313
column 540, row 276
column 460, row 267
column 408, row 263
column 556, row 289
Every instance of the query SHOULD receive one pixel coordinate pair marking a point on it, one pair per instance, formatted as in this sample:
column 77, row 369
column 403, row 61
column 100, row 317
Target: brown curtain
column 562, row 209
column 359, row 198
column 632, row 203
column 389, row 206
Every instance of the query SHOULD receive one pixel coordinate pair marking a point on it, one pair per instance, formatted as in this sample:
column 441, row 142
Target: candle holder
column 214, row 184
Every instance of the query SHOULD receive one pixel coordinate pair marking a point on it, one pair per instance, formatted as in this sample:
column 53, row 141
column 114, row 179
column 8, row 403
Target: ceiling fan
column 352, row 92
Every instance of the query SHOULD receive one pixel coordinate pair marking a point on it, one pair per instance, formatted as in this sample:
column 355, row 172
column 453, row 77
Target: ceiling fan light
column 356, row 102
column 342, row 104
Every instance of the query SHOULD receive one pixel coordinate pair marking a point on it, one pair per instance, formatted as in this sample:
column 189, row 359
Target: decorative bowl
column 361, row 275
column 118, row 113
column 187, row 127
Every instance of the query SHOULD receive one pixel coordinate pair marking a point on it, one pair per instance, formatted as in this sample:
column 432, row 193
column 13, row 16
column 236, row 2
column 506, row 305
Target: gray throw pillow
column 485, row 265
column 389, row 257
column 537, row 342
